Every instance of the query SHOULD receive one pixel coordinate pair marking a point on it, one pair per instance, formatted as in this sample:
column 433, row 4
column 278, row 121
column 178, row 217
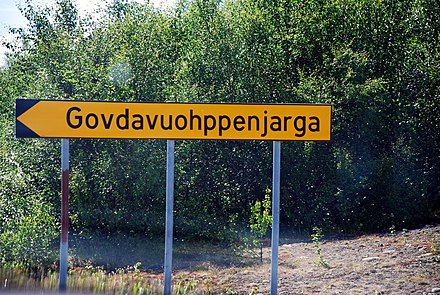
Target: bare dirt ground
column 394, row 263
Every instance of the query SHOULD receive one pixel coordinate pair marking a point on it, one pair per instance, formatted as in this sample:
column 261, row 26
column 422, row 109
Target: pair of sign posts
column 171, row 121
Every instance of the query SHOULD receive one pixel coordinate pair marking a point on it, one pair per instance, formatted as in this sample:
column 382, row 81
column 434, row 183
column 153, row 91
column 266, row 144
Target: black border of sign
column 28, row 103
column 21, row 106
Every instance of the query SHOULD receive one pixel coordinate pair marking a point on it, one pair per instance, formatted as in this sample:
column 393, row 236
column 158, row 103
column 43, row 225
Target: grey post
column 64, row 214
column 168, row 260
column 275, row 216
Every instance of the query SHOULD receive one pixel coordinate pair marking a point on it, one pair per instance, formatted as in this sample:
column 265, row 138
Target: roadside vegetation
column 376, row 62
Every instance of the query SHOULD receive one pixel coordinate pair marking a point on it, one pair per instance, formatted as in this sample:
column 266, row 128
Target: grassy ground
column 125, row 264
column 121, row 251
column 405, row 262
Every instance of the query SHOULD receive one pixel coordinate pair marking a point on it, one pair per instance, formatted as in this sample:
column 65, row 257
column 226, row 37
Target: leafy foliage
column 317, row 236
column 260, row 220
column 27, row 220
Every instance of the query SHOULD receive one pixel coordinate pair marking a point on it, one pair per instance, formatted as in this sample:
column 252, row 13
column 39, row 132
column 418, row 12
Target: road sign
column 90, row 119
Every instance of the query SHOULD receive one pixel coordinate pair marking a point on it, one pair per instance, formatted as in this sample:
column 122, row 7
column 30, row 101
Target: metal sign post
column 64, row 213
column 168, row 260
column 275, row 216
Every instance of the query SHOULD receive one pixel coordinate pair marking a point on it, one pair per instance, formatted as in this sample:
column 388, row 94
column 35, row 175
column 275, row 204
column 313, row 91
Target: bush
column 27, row 221
column 29, row 232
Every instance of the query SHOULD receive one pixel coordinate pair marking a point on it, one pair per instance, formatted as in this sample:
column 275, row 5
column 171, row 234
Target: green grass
column 122, row 250
column 121, row 264
column 91, row 280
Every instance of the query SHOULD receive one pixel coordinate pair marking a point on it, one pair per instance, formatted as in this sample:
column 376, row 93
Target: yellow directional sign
column 90, row 119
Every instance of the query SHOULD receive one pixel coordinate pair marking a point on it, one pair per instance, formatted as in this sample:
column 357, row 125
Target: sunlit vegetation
column 376, row 62
column 89, row 280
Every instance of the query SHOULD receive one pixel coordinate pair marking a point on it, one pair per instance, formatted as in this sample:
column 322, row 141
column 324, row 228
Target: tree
column 260, row 220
